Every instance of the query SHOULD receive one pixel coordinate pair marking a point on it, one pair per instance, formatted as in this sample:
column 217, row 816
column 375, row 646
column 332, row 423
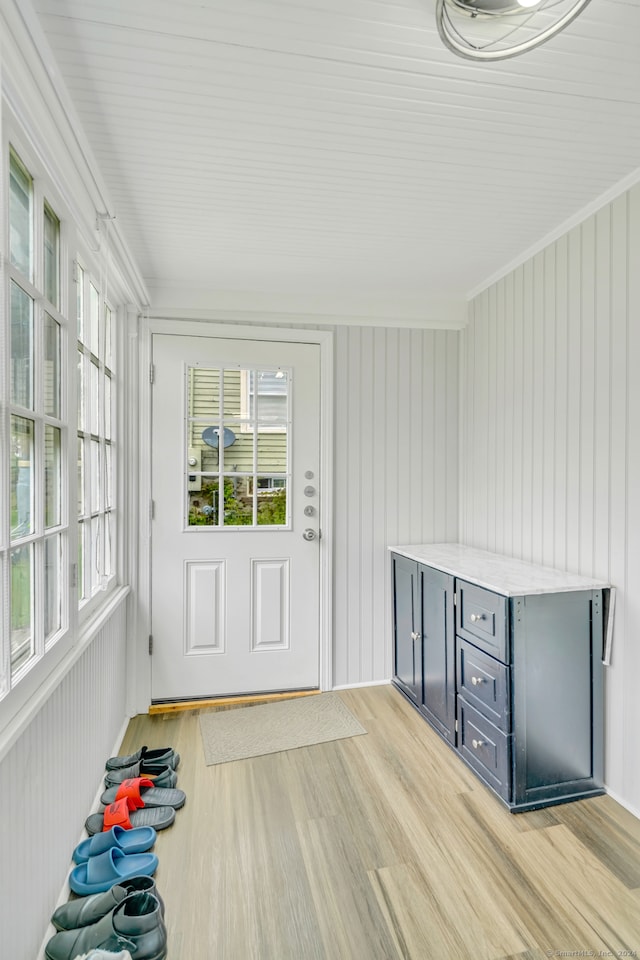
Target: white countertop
column 503, row 575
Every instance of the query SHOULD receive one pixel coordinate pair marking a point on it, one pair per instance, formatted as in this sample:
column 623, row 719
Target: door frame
column 139, row 665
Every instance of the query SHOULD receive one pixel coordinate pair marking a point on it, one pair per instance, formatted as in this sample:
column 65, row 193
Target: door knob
column 309, row 534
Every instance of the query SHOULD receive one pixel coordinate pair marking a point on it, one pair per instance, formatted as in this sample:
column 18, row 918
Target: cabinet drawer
column 484, row 683
column 485, row 748
column 482, row 618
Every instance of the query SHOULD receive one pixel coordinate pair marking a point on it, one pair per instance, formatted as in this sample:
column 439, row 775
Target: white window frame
column 92, row 594
column 47, row 652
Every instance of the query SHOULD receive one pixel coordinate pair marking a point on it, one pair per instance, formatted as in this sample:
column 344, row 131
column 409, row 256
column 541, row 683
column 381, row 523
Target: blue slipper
column 129, row 841
column 104, row 871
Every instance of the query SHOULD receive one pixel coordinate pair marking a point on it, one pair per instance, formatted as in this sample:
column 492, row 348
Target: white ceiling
column 332, row 156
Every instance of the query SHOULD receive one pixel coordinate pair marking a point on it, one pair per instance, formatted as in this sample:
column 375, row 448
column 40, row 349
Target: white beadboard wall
column 396, row 476
column 49, row 780
column 550, row 440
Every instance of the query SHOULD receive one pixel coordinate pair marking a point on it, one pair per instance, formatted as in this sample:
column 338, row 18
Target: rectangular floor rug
column 271, row 727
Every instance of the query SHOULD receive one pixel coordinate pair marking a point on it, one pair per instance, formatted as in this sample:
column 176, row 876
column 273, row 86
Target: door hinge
column 152, row 372
column 74, row 576
column 150, row 644
column 152, row 509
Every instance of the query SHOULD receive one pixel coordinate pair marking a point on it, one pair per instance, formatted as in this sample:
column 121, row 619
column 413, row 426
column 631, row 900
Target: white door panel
column 235, row 586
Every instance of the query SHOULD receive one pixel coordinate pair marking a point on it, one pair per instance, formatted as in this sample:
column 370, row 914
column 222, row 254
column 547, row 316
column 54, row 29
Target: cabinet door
column 407, row 668
column 438, row 639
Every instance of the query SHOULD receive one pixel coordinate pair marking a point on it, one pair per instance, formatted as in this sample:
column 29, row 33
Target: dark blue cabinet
column 514, row 683
column 424, row 641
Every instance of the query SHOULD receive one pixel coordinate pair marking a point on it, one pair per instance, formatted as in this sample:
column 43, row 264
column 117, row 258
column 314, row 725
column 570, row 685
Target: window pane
column 81, row 509
column 20, row 197
column 108, row 501
column 272, row 451
column 51, row 366
column 51, row 255
column 21, row 477
column 107, row 337
column 203, row 503
column 107, row 407
column 108, row 546
column 21, row 347
column 94, row 476
column 80, row 303
column 268, row 395
column 94, row 319
column 21, row 607
column 82, row 535
column 96, row 555
column 52, row 592
column 272, row 501
column 95, row 379
column 203, row 398
column 52, row 440
column 238, row 502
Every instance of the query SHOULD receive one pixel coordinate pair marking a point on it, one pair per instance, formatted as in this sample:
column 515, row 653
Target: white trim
column 605, row 198
column 623, row 803
column 19, row 723
column 450, row 316
column 365, row 683
column 194, row 328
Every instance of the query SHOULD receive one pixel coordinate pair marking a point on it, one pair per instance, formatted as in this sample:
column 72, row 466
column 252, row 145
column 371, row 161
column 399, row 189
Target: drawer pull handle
column 475, row 617
column 476, row 680
column 477, row 744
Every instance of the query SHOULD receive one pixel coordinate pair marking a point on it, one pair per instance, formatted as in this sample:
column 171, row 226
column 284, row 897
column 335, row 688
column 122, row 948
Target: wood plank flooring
column 383, row 847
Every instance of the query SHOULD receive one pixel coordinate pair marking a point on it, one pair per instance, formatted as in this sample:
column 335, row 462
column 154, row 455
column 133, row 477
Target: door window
column 237, row 452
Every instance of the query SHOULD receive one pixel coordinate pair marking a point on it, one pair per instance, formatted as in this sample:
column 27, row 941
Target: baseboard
column 356, row 686
column 623, row 803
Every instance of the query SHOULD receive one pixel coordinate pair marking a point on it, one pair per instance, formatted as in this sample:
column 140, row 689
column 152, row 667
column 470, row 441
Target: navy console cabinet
column 504, row 660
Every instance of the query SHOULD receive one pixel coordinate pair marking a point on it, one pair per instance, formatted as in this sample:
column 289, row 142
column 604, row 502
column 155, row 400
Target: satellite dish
column 211, row 436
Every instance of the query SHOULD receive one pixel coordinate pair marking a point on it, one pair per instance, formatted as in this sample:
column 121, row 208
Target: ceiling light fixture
column 498, row 29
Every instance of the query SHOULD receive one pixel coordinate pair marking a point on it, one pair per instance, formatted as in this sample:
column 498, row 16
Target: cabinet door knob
column 475, row 617
column 476, row 680
column 477, row 744
column 415, row 636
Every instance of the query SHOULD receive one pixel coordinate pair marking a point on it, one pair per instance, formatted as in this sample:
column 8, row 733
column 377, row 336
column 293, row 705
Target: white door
column 235, row 530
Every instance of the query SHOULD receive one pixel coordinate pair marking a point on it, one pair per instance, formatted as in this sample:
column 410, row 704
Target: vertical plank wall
column 396, row 476
column 550, row 444
column 49, row 779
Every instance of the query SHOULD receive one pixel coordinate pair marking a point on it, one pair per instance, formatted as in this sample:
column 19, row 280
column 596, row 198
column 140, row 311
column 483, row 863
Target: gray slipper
column 150, row 796
column 157, row 817
column 165, row 755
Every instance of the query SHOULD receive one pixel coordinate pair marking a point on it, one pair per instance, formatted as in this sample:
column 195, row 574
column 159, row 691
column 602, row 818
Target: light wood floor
column 383, row 847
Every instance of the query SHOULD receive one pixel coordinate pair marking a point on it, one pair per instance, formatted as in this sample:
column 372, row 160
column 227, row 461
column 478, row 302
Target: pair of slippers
column 110, row 857
column 137, row 800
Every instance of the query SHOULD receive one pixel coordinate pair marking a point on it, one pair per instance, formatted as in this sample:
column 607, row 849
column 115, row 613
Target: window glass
column 51, row 366
column 21, row 487
column 51, row 255
column 34, row 533
column 52, row 592
column 20, row 221
column 21, row 347
column 21, row 606
column 237, row 447
column 94, row 320
column 80, row 312
column 52, row 454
